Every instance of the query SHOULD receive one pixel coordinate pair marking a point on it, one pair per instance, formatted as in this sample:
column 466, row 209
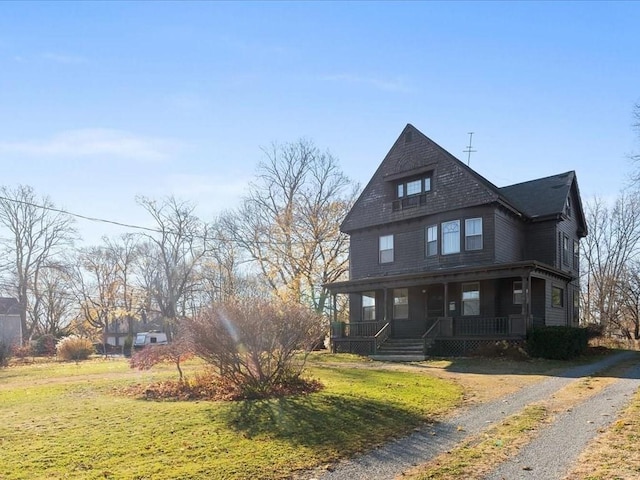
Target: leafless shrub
column 258, row 346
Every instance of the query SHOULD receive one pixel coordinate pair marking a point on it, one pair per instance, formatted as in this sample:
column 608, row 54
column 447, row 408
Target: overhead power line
column 140, row 227
column 77, row 215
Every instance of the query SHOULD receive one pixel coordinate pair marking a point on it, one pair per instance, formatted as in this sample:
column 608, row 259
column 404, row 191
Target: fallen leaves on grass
column 209, row 386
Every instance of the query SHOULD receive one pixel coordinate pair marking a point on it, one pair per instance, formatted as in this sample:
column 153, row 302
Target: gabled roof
column 413, row 153
column 542, row 197
column 546, row 197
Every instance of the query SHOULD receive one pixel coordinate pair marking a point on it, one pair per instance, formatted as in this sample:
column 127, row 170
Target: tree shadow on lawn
column 341, row 423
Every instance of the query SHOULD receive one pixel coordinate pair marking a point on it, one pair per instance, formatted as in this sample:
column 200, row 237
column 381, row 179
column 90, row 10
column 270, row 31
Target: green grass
column 65, row 421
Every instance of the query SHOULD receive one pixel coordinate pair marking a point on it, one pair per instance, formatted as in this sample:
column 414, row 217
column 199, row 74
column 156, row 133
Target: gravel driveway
column 561, row 443
column 393, row 458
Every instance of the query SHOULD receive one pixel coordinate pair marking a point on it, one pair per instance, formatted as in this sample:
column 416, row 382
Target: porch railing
column 362, row 329
column 475, row 326
column 442, row 327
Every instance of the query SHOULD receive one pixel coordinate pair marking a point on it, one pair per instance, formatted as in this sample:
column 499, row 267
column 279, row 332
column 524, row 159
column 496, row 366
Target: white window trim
column 561, row 305
column 476, row 286
column 369, row 304
column 467, row 236
column 434, row 240
column 399, row 293
column 381, row 251
column 444, row 247
column 517, row 291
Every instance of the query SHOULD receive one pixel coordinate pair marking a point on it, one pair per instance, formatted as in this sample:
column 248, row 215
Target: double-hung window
column 432, row 240
column 565, row 250
column 557, row 297
column 471, row 298
column 401, row 303
column 451, row 237
column 368, row 306
column 517, row 292
column 386, row 249
column 473, row 234
column 576, row 254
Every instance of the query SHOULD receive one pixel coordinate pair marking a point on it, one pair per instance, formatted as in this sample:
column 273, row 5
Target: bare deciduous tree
column 628, row 321
column 221, row 275
column 97, row 287
column 289, row 222
column 125, row 253
column 36, row 235
column 174, row 255
column 55, row 302
column 613, row 242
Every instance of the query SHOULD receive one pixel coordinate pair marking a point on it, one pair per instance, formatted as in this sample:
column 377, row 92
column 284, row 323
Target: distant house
column 442, row 260
column 10, row 325
column 120, row 329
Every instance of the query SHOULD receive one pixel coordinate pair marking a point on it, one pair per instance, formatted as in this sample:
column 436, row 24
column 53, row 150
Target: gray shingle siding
column 509, row 237
column 522, row 230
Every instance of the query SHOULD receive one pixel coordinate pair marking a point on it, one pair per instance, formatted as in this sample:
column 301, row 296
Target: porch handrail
column 382, row 335
column 431, row 328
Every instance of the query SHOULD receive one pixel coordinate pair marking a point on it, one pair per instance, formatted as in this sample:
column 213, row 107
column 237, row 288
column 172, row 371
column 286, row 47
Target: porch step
column 401, row 350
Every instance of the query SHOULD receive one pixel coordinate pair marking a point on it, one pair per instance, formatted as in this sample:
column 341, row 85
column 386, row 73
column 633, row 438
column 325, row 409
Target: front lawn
column 62, row 420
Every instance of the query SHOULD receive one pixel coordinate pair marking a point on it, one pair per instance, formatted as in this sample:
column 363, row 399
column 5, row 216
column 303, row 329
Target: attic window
column 414, row 186
column 410, row 192
column 568, row 207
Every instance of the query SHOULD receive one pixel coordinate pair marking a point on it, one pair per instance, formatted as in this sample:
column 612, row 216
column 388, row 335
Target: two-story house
column 441, row 255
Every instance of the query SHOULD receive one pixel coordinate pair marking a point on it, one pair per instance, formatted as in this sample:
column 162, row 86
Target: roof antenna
column 469, row 151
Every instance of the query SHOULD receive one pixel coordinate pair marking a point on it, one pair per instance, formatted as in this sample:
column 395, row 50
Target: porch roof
column 455, row 274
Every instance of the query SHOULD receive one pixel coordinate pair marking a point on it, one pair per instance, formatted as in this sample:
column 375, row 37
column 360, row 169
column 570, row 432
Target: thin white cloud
column 64, row 59
column 210, row 192
column 91, row 142
column 397, row 84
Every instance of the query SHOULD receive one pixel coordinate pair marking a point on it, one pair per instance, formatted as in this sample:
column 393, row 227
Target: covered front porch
column 444, row 313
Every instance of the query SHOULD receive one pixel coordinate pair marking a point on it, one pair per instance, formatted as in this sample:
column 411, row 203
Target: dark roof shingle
column 542, row 197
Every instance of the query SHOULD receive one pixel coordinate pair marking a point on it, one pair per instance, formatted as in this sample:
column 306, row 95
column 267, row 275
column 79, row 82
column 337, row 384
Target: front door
column 408, row 313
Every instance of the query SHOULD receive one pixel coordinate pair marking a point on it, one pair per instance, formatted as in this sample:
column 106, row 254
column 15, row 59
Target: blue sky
column 100, row 102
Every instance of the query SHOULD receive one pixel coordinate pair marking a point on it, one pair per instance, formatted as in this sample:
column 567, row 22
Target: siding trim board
column 514, row 269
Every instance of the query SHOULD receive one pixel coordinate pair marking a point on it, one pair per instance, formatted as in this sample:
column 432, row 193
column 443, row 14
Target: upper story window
column 432, row 241
column 386, row 249
column 576, row 254
column 473, row 234
column 451, row 237
column 416, row 186
column 565, row 250
column 567, row 207
column 411, row 192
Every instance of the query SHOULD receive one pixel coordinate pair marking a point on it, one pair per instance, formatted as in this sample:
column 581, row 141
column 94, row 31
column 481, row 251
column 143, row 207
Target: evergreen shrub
column 557, row 343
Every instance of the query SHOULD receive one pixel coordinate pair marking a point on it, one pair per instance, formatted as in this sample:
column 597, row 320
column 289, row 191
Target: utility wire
column 77, row 215
column 140, row 227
